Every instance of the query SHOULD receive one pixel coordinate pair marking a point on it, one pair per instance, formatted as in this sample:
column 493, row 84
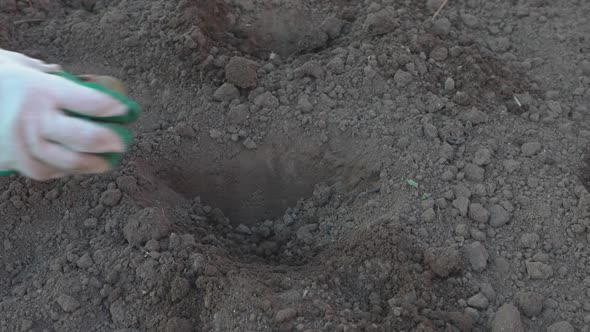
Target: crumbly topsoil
column 313, row 166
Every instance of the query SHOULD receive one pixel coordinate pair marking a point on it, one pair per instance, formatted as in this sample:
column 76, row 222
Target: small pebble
column 443, row 261
column 241, row 72
column 488, row 291
column 461, row 204
column 482, row 157
column 478, row 213
column 449, row 84
column 215, row 133
column 152, row 245
column 478, row 301
column 562, row 326
column 226, row 92
column 530, row 149
column 85, row 261
column 243, row 229
column 474, row 173
column 530, row 303
column 477, row 255
column 507, row 319
column 441, row 26
column 429, row 215
column 250, row 144
column 285, row 315
column 477, row 235
column 111, row 197
column 537, row 270
column 179, row 288
column 402, row 78
column 90, row 223
column 529, row 240
column 68, row 303
column 498, row 216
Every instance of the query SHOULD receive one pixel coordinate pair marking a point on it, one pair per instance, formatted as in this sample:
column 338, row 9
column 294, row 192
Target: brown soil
column 268, row 186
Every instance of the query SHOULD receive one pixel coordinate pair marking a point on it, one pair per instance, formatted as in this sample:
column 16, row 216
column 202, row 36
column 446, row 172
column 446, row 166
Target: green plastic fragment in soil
column 412, row 183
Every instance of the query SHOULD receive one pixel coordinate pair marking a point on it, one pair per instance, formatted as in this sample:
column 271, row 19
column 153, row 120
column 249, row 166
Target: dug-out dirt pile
column 313, row 166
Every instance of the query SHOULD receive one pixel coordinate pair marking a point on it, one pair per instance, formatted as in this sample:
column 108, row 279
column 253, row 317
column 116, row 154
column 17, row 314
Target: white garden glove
column 37, row 139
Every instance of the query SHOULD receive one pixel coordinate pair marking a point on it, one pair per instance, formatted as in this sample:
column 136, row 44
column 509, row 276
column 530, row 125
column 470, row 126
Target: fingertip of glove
column 114, row 159
column 50, row 68
column 127, row 113
column 123, row 132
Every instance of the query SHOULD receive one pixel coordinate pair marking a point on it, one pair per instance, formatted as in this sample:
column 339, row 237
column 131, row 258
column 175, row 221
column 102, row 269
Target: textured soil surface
column 304, row 165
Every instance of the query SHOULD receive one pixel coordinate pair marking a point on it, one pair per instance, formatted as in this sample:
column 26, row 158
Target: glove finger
column 39, row 171
column 27, row 61
column 79, row 135
column 48, row 68
column 80, row 99
column 59, row 157
column 69, row 161
column 39, row 65
column 33, row 168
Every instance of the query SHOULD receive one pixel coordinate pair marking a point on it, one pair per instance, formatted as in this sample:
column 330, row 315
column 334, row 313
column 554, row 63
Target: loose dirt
column 313, row 166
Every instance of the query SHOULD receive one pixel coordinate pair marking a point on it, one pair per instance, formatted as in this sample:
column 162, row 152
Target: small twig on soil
column 33, row 20
column 517, row 101
column 439, row 9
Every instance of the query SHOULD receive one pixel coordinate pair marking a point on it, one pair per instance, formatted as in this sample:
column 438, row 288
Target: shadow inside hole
column 252, row 187
column 284, row 31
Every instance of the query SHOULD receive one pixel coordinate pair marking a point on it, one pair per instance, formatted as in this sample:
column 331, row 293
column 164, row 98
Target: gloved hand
column 8, row 57
column 37, row 138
